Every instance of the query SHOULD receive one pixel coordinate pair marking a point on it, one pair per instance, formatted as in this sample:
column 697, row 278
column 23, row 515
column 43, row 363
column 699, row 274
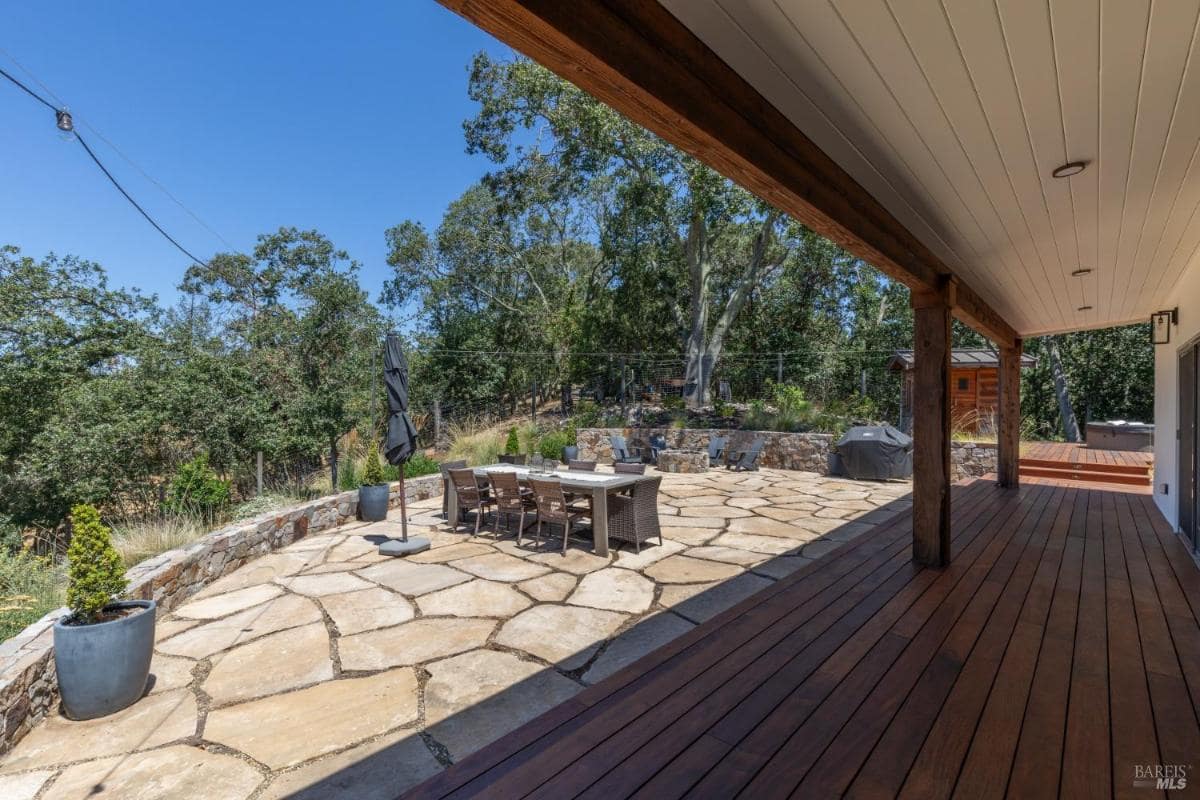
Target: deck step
column 1069, row 472
column 1088, row 466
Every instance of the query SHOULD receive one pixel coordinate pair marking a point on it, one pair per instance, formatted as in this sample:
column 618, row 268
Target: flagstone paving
column 326, row 670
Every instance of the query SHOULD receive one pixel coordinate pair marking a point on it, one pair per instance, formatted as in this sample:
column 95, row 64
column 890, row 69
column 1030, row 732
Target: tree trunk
column 333, row 462
column 704, row 343
column 1062, row 391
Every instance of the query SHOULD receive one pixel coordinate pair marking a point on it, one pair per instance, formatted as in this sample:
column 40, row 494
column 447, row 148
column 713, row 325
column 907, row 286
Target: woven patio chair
column 471, row 496
column 553, row 508
column 634, row 518
column 511, row 499
column 629, row 469
column 446, row 466
column 586, row 466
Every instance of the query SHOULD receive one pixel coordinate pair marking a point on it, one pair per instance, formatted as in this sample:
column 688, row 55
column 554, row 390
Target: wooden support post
column 1008, row 428
column 931, row 428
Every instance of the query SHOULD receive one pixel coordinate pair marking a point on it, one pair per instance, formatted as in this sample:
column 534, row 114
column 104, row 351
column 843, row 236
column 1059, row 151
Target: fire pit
column 683, row 461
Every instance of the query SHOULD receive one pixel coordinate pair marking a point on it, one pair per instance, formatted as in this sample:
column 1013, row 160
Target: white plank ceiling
column 953, row 114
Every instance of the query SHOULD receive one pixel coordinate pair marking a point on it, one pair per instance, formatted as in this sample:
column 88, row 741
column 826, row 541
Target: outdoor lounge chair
column 745, row 460
column 471, row 497
column 621, row 452
column 716, row 449
column 553, row 508
column 629, row 469
column 446, row 466
column 511, row 499
column 634, row 518
column 658, row 443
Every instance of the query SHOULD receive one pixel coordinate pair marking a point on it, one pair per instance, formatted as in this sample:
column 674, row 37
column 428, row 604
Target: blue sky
column 345, row 117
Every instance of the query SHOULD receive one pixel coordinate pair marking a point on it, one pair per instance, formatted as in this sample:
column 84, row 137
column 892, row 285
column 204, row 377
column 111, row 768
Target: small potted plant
column 373, row 494
column 102, row 649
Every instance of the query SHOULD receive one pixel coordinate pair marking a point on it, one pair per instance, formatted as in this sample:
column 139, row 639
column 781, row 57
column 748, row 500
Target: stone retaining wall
column 28, row 687
column 808, row 452
column 972, row 459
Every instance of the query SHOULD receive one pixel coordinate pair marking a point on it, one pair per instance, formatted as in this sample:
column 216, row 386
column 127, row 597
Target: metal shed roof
column 961, row 358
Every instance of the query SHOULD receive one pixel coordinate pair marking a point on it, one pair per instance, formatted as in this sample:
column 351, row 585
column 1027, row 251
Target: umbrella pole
column 403, row 509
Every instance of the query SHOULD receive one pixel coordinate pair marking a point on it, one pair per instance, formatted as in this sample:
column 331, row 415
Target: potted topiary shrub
column 373, row 494
column 102, row 649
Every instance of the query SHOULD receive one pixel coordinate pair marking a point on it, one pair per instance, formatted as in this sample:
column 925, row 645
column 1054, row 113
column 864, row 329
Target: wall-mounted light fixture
column 1160, row 325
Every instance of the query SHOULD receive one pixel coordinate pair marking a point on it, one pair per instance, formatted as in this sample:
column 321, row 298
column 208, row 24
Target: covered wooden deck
column 1059, row 649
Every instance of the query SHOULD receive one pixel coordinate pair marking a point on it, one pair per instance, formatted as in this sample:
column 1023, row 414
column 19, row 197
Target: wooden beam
column 1008, row 433
column 931, row 428
column 643, row 62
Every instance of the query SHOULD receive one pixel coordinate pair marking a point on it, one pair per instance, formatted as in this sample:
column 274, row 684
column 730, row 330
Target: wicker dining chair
column 586, row 466
column 446, row 466
column 634, row 517
column 553, row 508
column 471, row 496
column 630, row 469
column 512, row 499
column 513, row 458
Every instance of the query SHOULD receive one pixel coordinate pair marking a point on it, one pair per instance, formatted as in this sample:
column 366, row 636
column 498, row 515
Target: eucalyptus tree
column 710, row 242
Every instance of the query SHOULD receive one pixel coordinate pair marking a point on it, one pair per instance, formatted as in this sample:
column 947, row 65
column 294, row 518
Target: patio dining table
column 597, row 485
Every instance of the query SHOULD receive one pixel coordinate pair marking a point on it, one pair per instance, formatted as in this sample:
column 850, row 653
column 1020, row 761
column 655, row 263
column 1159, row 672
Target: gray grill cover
column 875, row 453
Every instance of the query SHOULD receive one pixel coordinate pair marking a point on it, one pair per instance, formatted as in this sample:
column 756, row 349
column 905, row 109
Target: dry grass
column 138, row 540
column 475, row 443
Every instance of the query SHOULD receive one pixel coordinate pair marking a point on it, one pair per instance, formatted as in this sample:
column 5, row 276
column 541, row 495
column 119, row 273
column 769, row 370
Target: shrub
column 95, row 572
column 372, row 472
column 30, row 586
column 553, row 444
column 347, row 476
column 673, row 402
column 197, row 489
column 512, row 445
column 420, row 464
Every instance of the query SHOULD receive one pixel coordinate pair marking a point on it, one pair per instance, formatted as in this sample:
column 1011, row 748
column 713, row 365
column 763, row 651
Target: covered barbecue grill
column 875, row 452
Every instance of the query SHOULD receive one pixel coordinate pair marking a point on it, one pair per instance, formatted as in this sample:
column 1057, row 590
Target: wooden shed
column 974, row 388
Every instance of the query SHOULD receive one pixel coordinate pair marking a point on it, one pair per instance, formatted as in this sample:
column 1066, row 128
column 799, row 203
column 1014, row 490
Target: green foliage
column 672, row 402
column 512, row 445
column 420, row 464
column 197, row 489
column 372, row 472
column 30, row 586
column 553, row 443
column 348, row 479
column 95, row 570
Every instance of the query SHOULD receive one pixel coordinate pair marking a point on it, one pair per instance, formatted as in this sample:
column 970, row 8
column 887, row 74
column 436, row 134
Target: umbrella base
column 395, row 547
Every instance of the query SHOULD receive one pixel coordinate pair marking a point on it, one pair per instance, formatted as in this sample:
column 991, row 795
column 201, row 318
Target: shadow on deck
column 1057, row 654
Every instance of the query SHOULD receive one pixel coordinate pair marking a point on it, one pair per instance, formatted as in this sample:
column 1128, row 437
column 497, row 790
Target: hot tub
column 1119, row 434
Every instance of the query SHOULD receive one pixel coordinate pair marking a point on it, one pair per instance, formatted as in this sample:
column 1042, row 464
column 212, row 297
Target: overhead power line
column 66, row 123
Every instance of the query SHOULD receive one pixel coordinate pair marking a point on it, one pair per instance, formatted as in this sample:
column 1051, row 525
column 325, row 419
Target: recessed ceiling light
column 1079, row 272
column 1085, row 308
column 1069, row 169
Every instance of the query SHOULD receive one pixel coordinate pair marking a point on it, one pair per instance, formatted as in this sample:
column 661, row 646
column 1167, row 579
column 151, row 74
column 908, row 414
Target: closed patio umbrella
column 401, row 438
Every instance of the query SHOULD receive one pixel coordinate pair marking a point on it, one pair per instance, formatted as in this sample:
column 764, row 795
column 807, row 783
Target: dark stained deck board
column 1059, row 647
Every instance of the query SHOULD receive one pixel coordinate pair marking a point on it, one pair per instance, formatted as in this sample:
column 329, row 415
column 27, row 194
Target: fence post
column 779, row 367
column 533, row 401
column 621, row 391
column 437, row 421
column 258, row 471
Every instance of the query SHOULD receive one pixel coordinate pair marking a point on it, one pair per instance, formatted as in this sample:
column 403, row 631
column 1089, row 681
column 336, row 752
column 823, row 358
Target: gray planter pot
column 103, row 668
column 373, row 502
column 570, row 452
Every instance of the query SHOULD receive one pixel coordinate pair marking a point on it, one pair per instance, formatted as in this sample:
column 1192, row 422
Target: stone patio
column 325, row 669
